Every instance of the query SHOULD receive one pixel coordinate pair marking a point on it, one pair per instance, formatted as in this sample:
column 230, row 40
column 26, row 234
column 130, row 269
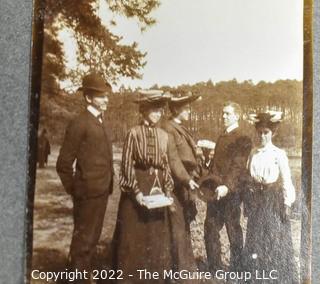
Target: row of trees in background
column 284, row 95
column 98, row 48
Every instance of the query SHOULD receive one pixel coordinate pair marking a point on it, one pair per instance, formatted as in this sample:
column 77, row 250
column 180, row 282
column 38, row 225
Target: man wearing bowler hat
column 229, row 164
column 87, row 142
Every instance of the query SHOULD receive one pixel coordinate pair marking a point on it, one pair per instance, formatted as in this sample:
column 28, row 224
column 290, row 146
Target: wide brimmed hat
column 93, row 83
column 179, row 100
column 269, row 119
column 207, row 188
column 152, row 97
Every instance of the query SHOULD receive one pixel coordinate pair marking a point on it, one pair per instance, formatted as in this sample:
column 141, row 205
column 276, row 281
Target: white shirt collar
column 93, row 110
column 232, row 127
column 177, row 120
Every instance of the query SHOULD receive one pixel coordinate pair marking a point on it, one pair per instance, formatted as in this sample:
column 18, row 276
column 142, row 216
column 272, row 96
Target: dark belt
column 259, row 186
column 146, row 167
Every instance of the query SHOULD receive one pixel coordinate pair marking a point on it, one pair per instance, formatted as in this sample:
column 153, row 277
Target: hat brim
column 94, row 89
column 94, row 92
column 207, row 187
column 180, row 101
column 152, row 98
column 148, row 101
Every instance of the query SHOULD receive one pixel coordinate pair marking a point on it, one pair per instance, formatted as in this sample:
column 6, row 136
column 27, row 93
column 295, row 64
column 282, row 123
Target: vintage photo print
column 169, row 142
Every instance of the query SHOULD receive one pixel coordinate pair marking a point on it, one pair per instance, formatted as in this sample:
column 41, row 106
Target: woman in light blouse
column 270, row 195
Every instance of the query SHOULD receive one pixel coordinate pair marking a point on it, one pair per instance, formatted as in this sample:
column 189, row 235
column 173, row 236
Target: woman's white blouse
column 269, row 163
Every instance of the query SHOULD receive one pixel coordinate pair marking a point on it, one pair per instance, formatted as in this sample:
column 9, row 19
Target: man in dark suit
column 229, row 164
column 87, row 141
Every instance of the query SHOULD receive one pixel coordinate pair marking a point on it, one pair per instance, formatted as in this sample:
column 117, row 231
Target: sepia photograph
column 169, row 143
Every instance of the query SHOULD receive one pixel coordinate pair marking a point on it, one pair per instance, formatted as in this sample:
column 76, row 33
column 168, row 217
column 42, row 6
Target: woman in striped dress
column 143, row 237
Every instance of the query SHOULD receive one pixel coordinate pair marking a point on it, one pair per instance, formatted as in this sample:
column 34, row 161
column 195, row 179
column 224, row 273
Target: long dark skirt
column 148, row 239
column 142, row 240
column 268, row 250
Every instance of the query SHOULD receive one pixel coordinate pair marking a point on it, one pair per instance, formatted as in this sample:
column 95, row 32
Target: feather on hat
column 269, row 119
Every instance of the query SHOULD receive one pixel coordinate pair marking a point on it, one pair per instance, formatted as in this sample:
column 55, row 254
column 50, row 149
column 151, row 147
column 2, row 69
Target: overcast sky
column 197, row 40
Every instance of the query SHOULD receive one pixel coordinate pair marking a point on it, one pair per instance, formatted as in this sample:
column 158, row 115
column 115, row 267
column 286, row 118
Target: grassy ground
column 53, row 221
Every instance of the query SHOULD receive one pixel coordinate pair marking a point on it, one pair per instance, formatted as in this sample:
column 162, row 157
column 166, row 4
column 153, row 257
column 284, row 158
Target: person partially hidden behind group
column 144, row 238
column 43, row 149
column 269, row 195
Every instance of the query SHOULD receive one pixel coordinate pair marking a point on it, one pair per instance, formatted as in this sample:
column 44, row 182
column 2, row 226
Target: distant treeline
column 206, row 122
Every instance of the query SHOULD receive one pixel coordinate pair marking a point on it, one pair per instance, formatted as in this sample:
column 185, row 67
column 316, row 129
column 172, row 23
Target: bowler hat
column 207, row 187
column 93, row 83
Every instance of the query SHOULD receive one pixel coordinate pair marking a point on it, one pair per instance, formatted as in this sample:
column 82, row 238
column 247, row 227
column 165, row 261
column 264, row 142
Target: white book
column 157, row 201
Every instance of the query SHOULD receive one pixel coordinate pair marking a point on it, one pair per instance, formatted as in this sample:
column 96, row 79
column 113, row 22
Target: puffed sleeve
column 285, row 174
column 128, row 181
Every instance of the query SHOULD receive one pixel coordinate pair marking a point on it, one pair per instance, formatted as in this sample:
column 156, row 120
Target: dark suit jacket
column 182, row 152
column 230, row 158
column 87, row 141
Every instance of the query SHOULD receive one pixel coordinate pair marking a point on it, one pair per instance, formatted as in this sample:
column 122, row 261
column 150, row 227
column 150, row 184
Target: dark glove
column 285, row 214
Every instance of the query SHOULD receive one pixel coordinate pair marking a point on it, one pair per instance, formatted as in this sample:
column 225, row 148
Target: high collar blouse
column 269, row 164
column 146, row 146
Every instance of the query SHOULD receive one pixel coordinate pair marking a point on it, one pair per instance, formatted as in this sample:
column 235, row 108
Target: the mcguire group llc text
column 144, row 274
column 219, row 274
